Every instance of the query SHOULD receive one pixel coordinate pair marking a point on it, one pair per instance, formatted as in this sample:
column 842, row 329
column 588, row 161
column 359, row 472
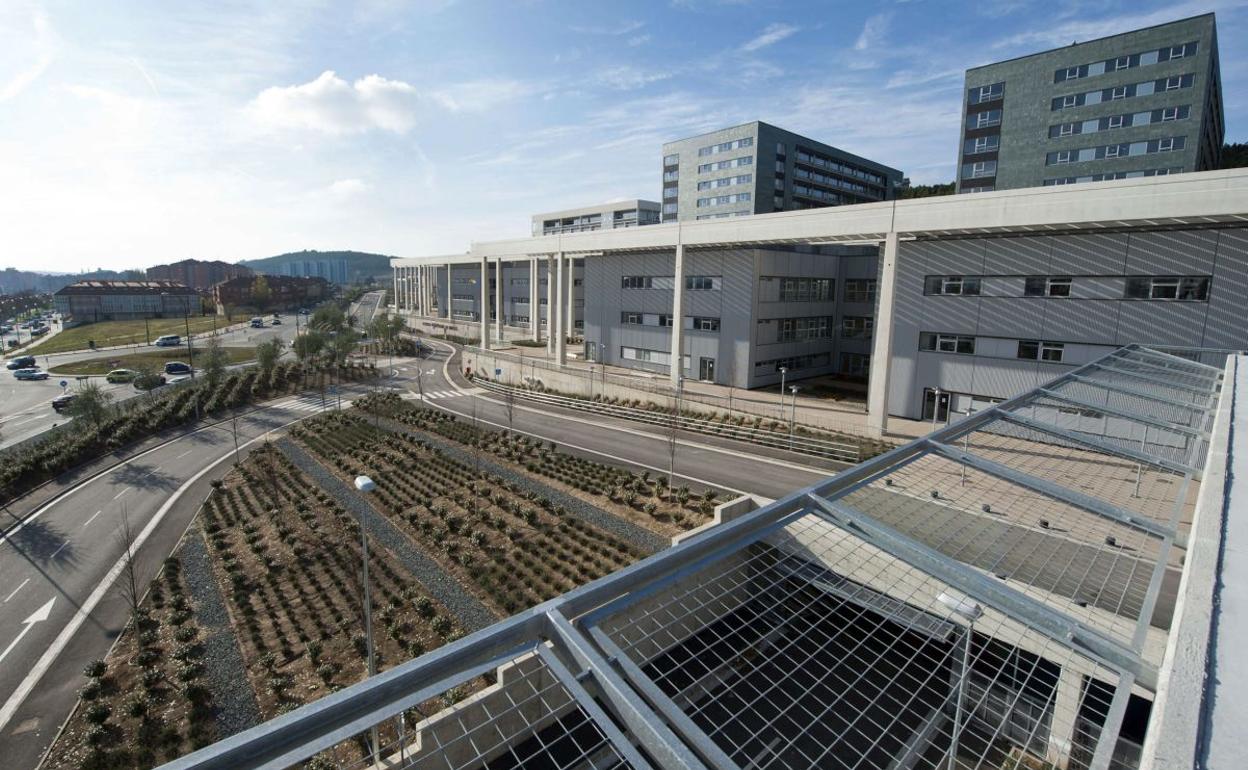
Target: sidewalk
column 844, row 416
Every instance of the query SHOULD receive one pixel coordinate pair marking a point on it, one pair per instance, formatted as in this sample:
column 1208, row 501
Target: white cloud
column 347, row 188
column 771, row 34
column 637, row 40
column 623, row 28
column 1083, row 29
column 873, row 31
column 27, row 48
column 479, row 95
column 331, row 105
column 628, row 78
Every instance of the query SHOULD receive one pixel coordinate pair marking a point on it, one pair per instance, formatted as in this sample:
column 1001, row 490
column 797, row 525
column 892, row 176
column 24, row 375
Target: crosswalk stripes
column 310, row 403
column 436, row 394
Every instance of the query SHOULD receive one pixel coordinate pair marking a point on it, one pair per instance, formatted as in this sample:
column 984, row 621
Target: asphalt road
column 61, row 602
column 26, row 405
column 366, row 308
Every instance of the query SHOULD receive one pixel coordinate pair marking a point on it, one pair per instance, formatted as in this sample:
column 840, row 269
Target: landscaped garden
column 132, row 332
column 154, row 360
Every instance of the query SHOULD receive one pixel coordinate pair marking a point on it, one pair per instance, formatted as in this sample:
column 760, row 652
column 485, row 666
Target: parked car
column 257, row 323
column 179, row 378
column 276, row 322
column 21, row 362
column 39, row 331
column 168, row 341
column 121, row 375
column 32, row 373
column 149, row 381
column 61, row 403
column 177, row 367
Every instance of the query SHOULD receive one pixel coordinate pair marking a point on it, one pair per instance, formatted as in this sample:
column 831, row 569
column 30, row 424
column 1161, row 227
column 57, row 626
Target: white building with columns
column 974, row 298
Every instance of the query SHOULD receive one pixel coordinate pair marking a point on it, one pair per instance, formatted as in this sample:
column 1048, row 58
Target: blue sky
column 133, row 133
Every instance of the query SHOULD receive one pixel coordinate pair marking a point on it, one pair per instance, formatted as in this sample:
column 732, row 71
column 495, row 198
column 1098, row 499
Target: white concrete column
column 570, row 329
column 397, row 305
column 678, row 315
column 498, row 299
column 1065, row 717
column 484, row 305
column 449, row 313
column 882, row 349
column 561, row 333
column 415, row 289
column 408, row 285
column 551, row 304
column 535, row 309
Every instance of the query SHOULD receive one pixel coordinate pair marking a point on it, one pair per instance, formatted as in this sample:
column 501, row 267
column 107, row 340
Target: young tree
column 91, row 404
column 328, row 317
column 308, row 346
column 267, row 354
column 672, row 436
column 509, row 406
column 260, row 292
column 130, row 590
column 213, row 362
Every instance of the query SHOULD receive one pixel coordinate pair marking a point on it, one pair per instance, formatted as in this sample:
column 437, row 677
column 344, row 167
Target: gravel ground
column 234, row 703
column 471, row 613
column 626, row 530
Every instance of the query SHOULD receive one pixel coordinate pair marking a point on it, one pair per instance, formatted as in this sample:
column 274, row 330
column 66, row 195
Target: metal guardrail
column 835, row 450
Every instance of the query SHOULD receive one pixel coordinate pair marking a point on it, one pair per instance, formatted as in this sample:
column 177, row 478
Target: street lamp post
column 366, row 485
column 935, row 406
column 784, row 370
column 792, row 416
column 970, row 611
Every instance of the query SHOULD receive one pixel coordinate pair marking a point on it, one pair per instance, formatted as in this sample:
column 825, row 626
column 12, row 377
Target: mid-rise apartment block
column 606, row 216
column 1141, row 103
column 757, row 168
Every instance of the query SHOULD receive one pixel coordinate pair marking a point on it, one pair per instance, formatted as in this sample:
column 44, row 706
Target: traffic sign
column 64, row 383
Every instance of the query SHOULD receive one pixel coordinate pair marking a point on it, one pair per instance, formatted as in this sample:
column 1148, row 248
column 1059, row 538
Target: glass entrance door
column 935, row 402
column 706, row 369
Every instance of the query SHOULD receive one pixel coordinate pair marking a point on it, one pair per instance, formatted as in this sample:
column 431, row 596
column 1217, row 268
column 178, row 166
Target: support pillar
column 484, row 307
column 570, row 329
column 448, row 313
column 1065, row 717
column 397, row 305
column 882, row 349
column 556, row 309
column 678, row 315
column 499, row 316
column 535, row 308
column 551, row 304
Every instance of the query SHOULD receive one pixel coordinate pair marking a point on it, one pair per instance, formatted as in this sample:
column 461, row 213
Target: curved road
column 61, row 603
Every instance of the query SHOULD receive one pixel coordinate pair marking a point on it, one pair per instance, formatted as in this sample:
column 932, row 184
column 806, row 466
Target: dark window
column 952, row 285
column 1029, row 349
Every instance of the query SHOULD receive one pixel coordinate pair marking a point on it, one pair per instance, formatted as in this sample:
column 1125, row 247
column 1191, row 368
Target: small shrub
column 95, row 668
column 98, row 713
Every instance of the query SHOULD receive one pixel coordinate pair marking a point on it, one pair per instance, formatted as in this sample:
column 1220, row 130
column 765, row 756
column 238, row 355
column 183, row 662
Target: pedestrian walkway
column 310, row 403
column 436, row 394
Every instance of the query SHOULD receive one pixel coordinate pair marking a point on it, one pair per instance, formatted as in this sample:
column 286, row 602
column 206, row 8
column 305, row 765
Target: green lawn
column 155, row 360
column 110, row 333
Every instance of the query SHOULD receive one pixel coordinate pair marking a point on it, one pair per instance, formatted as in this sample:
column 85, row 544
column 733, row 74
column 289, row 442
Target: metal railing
column 842, row 451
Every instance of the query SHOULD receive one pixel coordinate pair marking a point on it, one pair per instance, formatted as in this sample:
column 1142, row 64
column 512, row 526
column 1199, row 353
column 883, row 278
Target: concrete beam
column 678, row 316
column 882, row 350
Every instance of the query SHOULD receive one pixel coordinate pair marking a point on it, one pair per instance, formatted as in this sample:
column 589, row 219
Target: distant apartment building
column 196, row 273
column 1141, row 103
column 606, row 216
column 332, row 270
column 91, row 301
column 280, row 292
column 757, row 168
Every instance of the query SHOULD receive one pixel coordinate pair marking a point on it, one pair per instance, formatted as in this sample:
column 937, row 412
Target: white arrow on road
column 38, row 615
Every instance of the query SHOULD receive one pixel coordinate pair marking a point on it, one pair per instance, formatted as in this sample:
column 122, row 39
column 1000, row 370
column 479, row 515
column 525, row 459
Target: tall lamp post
column 366, row 485
column 784, row 370
column 970, row 611
column 792, row 416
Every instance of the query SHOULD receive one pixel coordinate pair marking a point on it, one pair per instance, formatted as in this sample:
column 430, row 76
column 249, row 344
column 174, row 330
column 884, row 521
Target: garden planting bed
column 642, row 498
column 513, row 548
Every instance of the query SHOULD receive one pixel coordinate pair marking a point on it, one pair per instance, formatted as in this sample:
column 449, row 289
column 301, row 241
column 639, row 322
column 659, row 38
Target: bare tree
column 129, row 573
column 509, row 405
column 672, row 434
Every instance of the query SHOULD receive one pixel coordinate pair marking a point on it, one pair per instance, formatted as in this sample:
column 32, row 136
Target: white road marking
column 122, row 492
column 184, row 454
column 58, row 550
column 37, row 616
column 88, row 521
column 15, row 590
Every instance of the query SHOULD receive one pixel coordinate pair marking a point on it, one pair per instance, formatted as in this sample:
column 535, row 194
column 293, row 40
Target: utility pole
column 792, row 416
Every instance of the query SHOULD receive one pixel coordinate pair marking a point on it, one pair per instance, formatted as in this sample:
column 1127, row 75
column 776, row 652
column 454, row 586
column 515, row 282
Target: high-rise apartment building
column 1141, row 103
column 757, row 168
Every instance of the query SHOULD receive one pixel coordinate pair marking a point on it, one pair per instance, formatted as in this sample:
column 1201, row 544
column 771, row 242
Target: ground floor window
column 855, row 364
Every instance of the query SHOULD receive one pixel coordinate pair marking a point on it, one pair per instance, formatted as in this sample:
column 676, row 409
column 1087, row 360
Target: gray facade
column 747, row 312
column 466, row 294
column 757, row 168
column 1142, row 103
column 1088, row 294
column 606, row 216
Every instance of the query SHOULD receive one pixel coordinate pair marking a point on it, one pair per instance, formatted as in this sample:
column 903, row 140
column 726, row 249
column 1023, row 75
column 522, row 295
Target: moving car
column 179, row 378
column 177, row 367
column 168, row 341
column 61, row 403
column 257, row 323
column 276, row 322
column 121, row 375
column 21, row 362
column 39, row 331
column 32, row 373
column 148, row 381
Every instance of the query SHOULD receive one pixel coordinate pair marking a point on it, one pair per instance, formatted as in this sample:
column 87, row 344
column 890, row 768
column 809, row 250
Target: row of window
column 725, row 215
column 844, row 184
column 1111, row 122
column 860, row 290
column 727, row 181
column 979, row 169
column 1131, row 90
column 648, row 356
column 726, row 146
column 692, row 282
column 747, row 160
column 855, row 364
column 1031, row 350
column 672, row 192
column 695, row 323
column 857, row 327
column 984, row 119
column 1114, row 175
column 1127, row 61
column 818, row 194
column 793, row 363
column 981, row 144
column 1183, row 288
column 985, row 93
column 822, row 161
column 802, row 329
column 807, row 289
column 723, row 200
column 1123, row 150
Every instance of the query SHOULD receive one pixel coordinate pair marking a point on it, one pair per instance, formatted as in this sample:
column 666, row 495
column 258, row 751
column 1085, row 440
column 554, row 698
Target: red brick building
column 197, row 273
column 264, row 293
